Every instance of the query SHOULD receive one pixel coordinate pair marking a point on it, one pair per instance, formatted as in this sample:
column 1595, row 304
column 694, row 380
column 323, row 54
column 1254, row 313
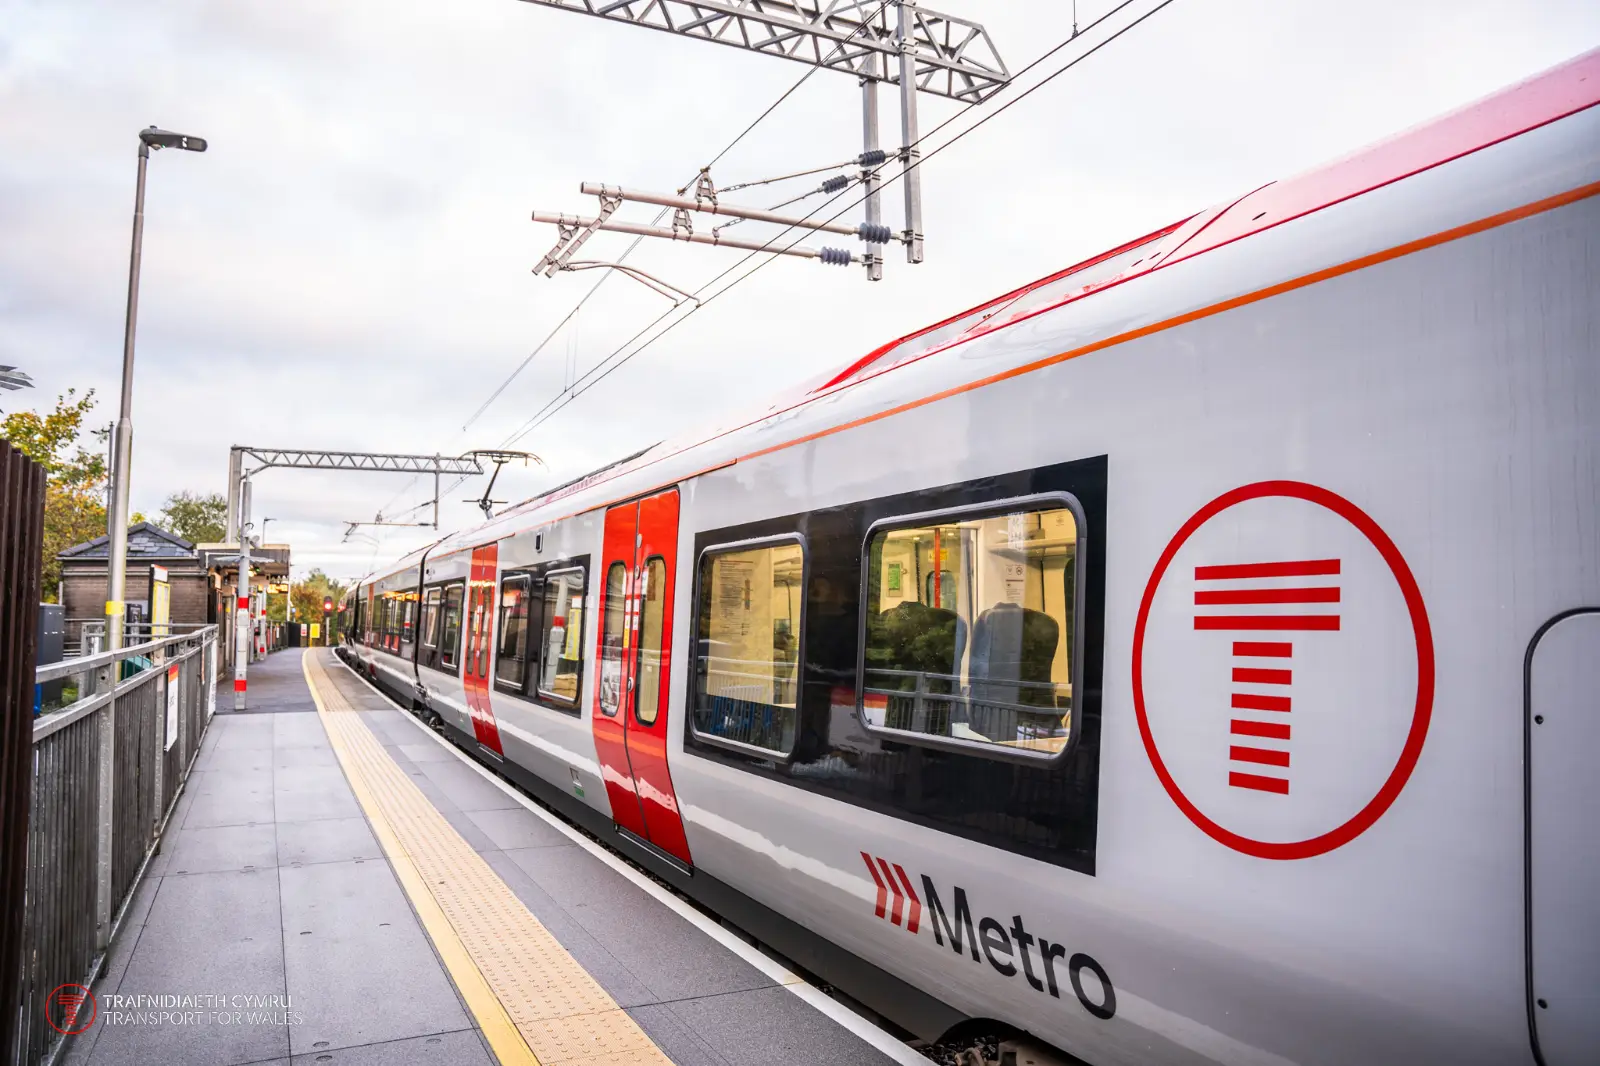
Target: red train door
column 635, row 653
column 479, row 641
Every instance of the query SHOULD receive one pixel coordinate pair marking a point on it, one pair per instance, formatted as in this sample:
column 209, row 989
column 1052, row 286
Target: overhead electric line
column 499, row 389
column 561, row 401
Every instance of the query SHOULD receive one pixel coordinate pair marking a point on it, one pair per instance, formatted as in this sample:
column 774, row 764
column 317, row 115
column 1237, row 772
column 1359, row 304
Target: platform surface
column 339, row 886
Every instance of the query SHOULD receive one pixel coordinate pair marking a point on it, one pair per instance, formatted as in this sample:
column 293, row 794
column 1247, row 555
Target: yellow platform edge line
column 503, row 1037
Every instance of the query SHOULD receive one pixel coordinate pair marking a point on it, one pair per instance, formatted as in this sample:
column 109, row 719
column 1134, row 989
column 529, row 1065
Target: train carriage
column 1189, row 657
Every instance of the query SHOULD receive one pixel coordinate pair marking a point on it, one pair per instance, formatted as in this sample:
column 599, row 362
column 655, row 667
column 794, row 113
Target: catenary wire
column 561, row 401
column 838, row 47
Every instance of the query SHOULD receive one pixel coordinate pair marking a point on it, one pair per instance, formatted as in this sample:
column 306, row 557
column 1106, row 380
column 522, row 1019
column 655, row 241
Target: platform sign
column 160, row 603
column 211, row 679
column 316, row 630
column 172, row 705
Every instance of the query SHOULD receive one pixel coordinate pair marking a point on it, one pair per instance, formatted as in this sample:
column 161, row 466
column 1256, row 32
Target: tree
column 308, row 596
column 196, row 518
column 74, row 510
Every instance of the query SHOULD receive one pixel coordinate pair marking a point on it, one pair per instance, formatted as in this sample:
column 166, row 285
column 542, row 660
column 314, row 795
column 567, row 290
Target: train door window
column 450, row 626
column 561, row 637
column 751, row 601
column 982, row 651
column 652, row 625
column 481, row 596
column 511, row 664
column 430, row 623
column 613, row 637
column 408, row 622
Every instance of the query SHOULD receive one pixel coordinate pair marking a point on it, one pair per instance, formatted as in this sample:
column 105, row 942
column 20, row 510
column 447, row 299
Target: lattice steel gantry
column 923, row 51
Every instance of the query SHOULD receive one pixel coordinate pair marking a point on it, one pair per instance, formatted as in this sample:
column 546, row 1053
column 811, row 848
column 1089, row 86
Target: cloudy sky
column 349, row 265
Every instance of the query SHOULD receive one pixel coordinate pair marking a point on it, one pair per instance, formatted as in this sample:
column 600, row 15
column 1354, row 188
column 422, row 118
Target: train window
column 450, row 626
column 561, row 643
column 613, row 637
column 511, row 665
column 652, row 628
column 751, row 600
column 408, row 620
column 430, row 619
column 979, row 649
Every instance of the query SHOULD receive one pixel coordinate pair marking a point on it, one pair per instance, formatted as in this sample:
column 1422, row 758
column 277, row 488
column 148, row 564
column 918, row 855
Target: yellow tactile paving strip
column 535, row 1004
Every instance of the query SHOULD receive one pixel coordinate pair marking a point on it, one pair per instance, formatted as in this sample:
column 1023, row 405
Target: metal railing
column 92, row 633
column 983, row 710
column 107, row 770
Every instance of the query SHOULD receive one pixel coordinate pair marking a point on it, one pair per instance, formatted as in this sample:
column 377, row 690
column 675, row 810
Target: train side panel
column 1427, row 421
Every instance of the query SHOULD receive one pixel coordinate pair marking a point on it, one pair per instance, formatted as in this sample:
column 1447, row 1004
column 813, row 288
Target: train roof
column 1537, row 101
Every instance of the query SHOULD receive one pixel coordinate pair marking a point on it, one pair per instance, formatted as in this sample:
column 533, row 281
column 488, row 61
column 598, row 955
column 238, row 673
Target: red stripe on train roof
column 1561, row 91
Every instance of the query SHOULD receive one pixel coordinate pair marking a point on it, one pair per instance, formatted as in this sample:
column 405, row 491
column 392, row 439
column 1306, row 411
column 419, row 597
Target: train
column 1189, row 657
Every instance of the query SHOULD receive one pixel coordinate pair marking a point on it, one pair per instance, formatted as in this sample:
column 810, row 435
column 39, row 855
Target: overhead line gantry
column 922, row 51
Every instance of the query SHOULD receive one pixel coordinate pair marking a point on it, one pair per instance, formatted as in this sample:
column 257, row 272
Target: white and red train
column 1191, row 657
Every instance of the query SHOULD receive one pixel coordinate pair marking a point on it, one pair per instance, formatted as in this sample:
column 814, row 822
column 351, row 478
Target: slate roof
column 145, row 541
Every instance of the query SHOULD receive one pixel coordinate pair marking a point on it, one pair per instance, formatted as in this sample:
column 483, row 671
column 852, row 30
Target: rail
column 108, row 766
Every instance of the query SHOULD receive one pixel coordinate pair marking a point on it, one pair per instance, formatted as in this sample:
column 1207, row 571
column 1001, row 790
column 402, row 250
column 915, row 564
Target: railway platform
column 340, row 885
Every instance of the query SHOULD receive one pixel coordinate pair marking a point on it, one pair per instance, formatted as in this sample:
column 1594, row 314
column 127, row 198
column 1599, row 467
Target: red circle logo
column 71, row 1009
column 1274, row 702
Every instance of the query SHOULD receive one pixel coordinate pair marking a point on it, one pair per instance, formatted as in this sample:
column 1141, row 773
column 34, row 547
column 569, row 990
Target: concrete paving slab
column 299, row 729
column 475, row 837
column 673, row 1036
column 466, row 789
column 773, row 1027
column 424, row 751
column 310, row 793
column 358, row 961
column 518, row 827
column 234, row 760
column 446, row 1049
column 619, row 982
column 287, row 758
column 235, row 737
column 671, row 957
column 214, row 849
column 326, row 840
column 206, row 934
column 232, row 798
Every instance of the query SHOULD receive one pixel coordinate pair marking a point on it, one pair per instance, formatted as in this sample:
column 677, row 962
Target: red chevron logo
column 893, row 881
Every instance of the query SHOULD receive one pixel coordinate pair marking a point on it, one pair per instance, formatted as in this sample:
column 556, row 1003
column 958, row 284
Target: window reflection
column 652, row 619
column 969, row 631
column 562, row 630
column 747, row 645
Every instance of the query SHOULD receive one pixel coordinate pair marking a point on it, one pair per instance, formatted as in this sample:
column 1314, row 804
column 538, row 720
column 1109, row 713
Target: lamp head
column 160, row 138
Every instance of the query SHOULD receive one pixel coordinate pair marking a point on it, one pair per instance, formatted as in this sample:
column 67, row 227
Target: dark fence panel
column 60, row 941
column 106, row 771
column 21, row 544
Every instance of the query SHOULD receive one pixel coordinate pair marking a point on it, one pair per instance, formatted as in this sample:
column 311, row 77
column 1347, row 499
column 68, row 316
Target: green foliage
column 73, row 509
column 196, row 518
column 309, row 594
column 52, row 441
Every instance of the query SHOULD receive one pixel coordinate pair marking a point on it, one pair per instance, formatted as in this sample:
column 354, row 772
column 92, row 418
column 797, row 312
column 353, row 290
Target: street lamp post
column 122, row 457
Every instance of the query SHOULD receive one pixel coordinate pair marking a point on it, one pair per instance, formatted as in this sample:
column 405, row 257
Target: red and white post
column 243, row 639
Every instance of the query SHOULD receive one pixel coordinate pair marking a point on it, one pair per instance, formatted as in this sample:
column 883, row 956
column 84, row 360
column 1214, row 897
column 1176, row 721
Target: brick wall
column 83, row 594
